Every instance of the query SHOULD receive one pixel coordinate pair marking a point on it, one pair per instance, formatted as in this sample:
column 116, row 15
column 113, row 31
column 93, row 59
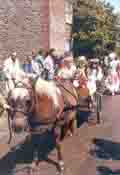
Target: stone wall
column 57, row 24
column 24, row 25
column 31, row 24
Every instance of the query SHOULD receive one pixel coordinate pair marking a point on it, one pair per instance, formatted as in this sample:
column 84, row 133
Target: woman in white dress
column 112, row 81
column 12, row 70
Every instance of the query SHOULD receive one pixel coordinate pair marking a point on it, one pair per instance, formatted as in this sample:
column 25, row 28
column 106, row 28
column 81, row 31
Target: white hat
column 112, row 55
column 82, row 58
column 69, row 59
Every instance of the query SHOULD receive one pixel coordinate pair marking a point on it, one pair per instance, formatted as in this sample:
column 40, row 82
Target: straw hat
column 82, row 58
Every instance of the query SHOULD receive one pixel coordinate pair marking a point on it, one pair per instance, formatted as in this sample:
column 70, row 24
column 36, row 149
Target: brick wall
column 28, row 24
column 57, row 24
column 24, row 25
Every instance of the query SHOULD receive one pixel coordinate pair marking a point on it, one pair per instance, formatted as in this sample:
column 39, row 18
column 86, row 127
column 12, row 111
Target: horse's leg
column 10, row 130
column 72, row 123
column 34, row 150
column 57, row 134
column 66, row 124
column 66, row 130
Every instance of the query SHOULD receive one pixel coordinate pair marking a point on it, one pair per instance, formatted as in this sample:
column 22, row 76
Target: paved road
column 94, row 150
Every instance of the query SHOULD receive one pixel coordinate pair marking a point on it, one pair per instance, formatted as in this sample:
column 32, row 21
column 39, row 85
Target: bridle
column 30, row 89
column 13, row 110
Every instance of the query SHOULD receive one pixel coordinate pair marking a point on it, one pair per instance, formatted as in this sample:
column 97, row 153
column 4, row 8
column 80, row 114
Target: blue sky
column 115, row 3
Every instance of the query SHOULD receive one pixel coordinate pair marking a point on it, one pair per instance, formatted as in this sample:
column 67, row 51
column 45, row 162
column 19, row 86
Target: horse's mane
column 48, row 88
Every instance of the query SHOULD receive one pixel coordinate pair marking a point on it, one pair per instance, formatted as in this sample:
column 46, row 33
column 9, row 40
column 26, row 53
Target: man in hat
column 12, row 71
column 49, row 63
column 69, row 69
column 82, row 65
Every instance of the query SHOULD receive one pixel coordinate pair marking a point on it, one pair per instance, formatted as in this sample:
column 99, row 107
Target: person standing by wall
column 115, row 82
column 49, row 63
column 40, row 57
column 31, row 67
column 12, row 70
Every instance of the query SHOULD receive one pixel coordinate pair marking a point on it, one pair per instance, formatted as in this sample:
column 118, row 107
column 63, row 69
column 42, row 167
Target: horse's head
column 21, row 102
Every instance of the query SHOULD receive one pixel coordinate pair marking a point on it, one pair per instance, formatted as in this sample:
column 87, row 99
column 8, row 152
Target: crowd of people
column 49, row 65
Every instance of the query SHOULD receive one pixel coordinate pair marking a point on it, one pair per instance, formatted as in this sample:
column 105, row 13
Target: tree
column 98, row 26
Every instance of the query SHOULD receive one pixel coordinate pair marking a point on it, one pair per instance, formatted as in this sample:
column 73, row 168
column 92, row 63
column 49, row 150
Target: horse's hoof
column 113, row 94
column 58, row 173
column 61, row 166
column 69, row 134
column 30, row 170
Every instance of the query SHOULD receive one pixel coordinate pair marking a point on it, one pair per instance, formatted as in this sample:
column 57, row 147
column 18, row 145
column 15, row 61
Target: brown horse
column 41, row 107
column 70, row 100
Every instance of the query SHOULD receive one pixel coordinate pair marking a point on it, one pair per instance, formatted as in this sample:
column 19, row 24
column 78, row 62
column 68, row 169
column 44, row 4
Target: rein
column 59, row 83
column 14, row 110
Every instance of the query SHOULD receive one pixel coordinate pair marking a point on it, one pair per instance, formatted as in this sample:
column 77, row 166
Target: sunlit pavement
column 94, row 150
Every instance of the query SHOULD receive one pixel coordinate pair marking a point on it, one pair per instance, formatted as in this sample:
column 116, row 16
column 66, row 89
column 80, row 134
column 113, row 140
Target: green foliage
column 118, row 52
column 99, row 28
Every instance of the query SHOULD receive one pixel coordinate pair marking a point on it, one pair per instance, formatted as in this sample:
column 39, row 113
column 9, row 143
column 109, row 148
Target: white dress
column 49, row 65
column 13, row 73
column 99, row 74
column 91, row 84
column 115, row 82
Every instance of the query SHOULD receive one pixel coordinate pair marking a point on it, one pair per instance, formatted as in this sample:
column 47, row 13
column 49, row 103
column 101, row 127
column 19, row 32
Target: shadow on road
column 24, row 154
column 105, row 149
column 40, row 144
column 107, row 171
column 82, row 116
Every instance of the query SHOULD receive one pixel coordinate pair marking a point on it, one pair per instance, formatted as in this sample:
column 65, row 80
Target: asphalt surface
column 93, row 150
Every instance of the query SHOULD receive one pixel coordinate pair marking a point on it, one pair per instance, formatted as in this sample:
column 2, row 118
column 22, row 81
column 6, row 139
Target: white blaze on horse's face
column 19, row 101
column 47, row 88
column 20, row 93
